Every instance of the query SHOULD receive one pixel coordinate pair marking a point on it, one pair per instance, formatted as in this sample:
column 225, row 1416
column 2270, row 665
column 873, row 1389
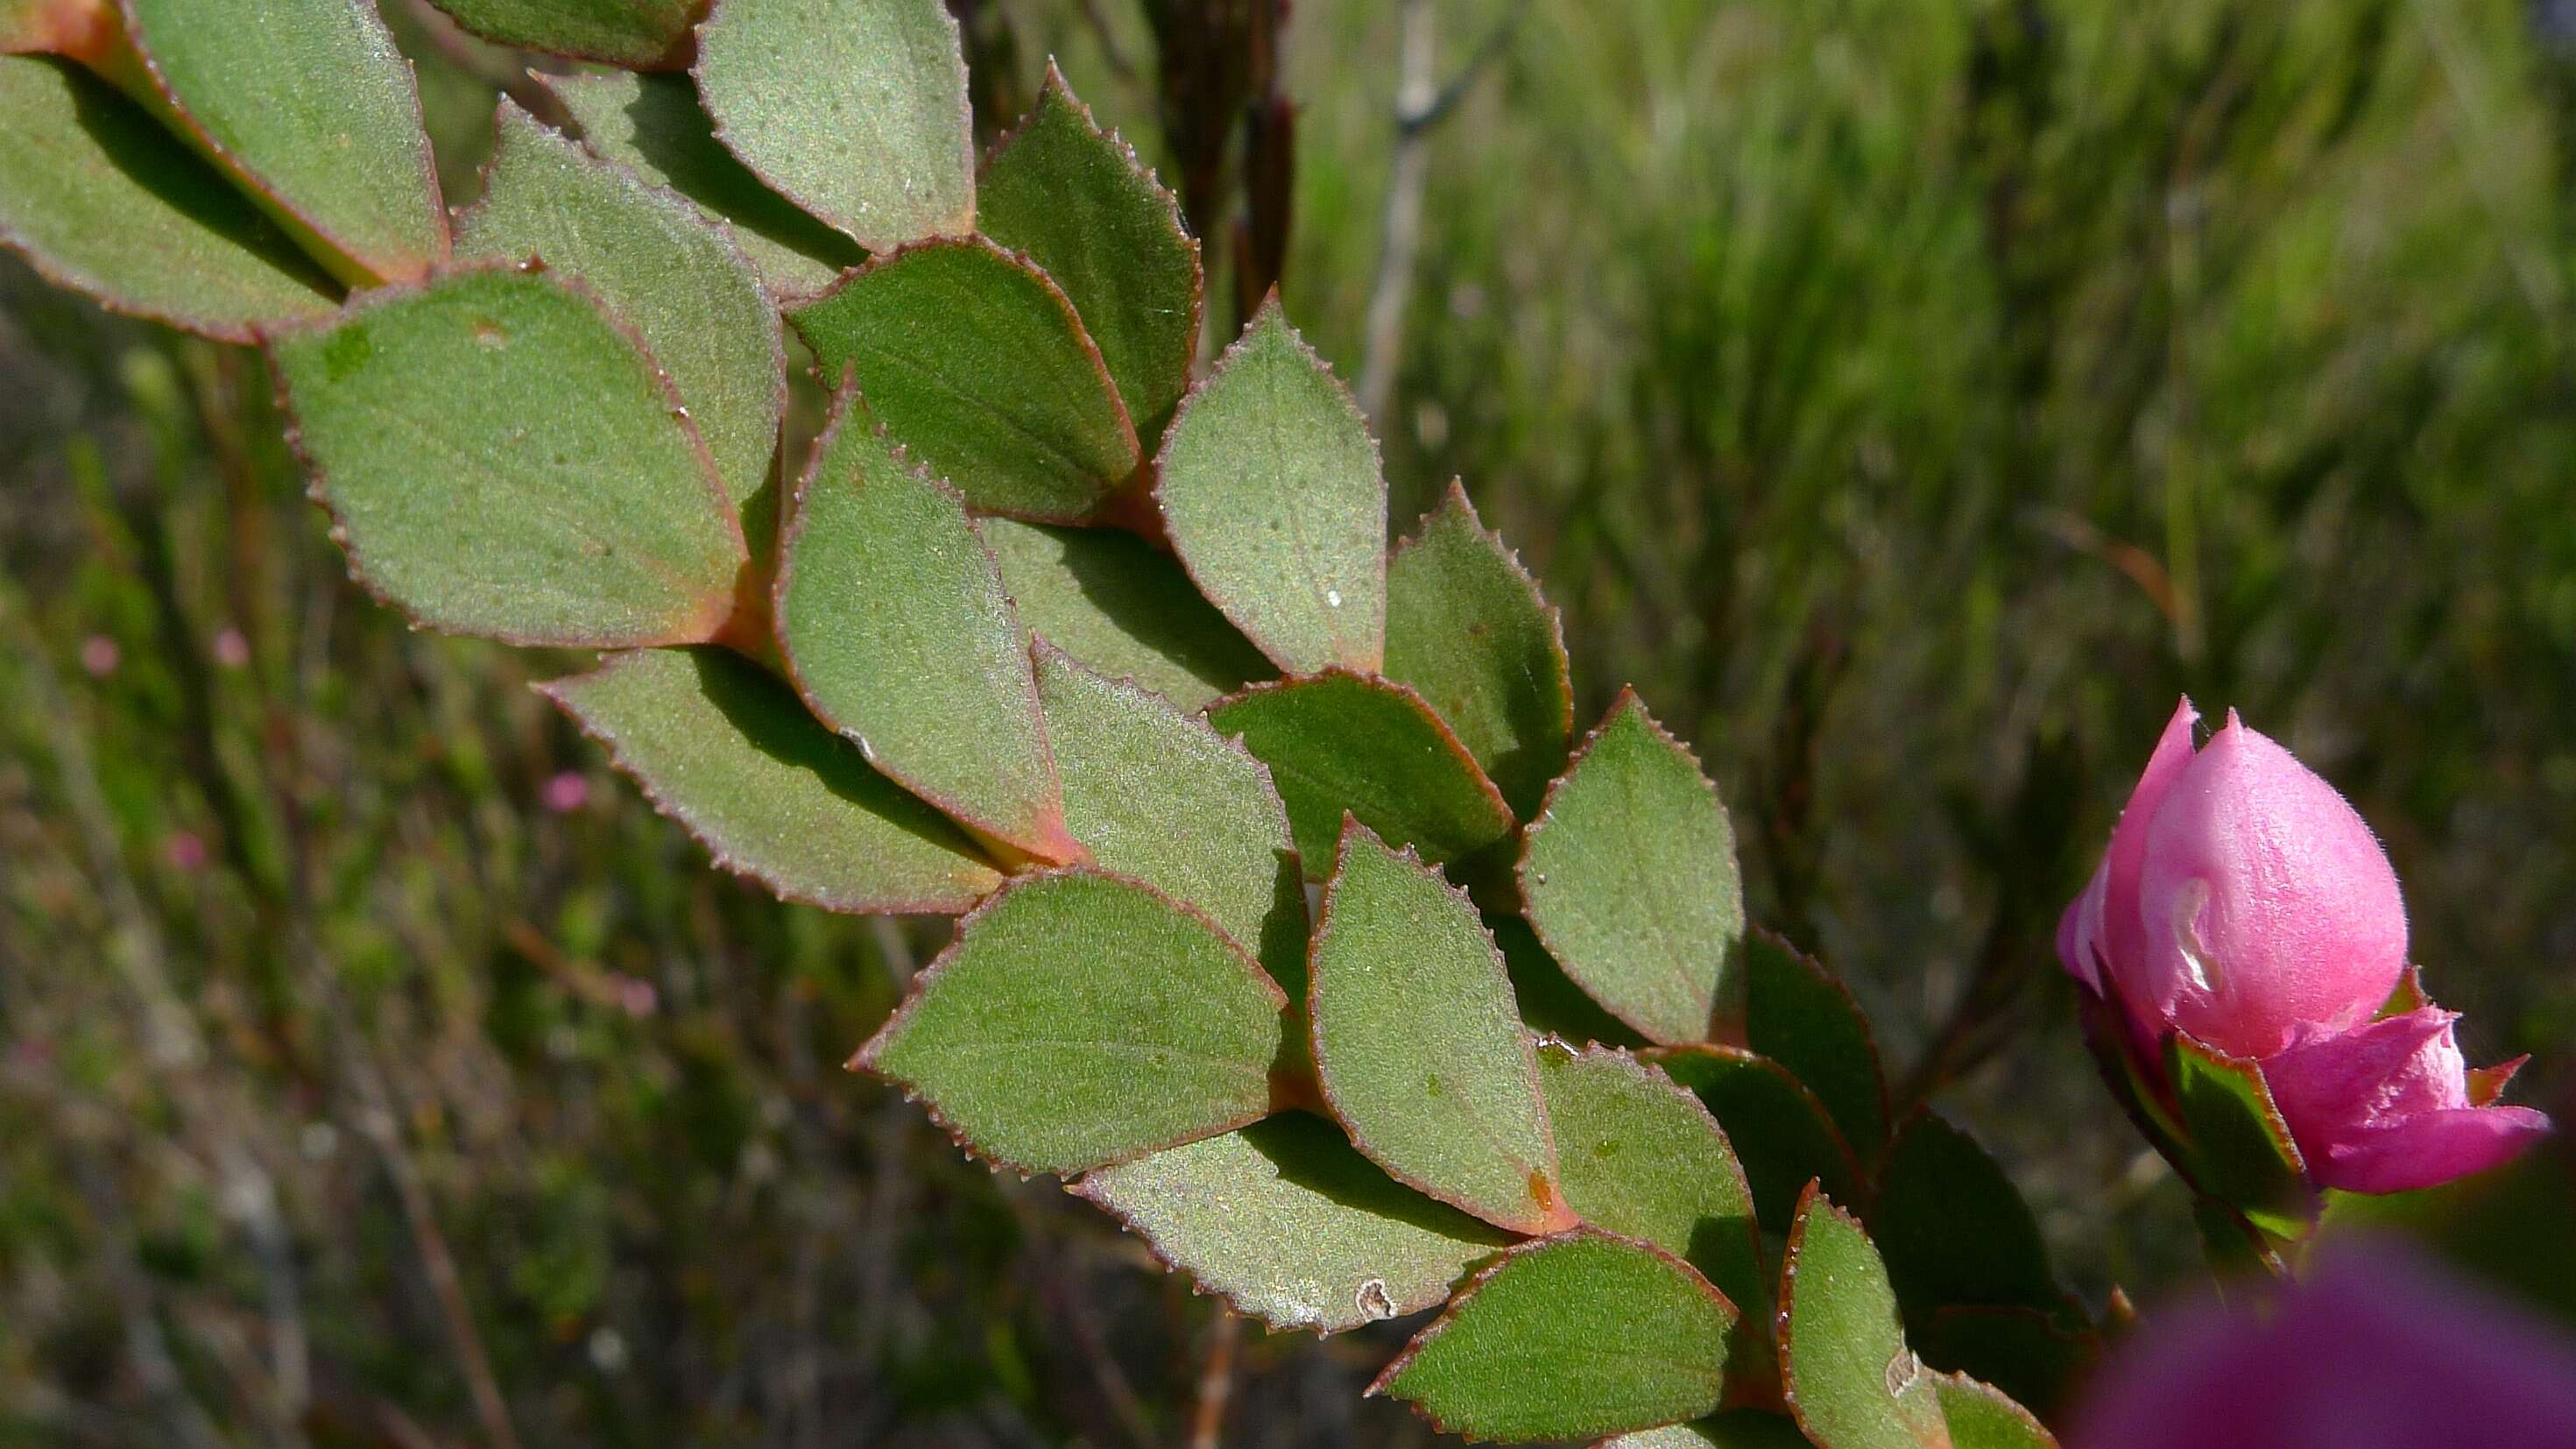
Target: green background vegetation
column 1909, row 397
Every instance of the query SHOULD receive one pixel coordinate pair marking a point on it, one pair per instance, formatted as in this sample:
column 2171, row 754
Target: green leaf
column 1550, row 1004
column 503, row 458
column 724, row 748
column 636, row 34
column 1416, row 1043
column 659, row 265
column 1467, row 628
column 651, row 125
column 101, row 199
column 1954, row 1230
column 1271, row 492
column 1293, row 1226
column 1801, row 1017
column 1779, row 1131
column 1340, row 742
column 1158, row 795
column 1851, row 1381
column 2018, row 1350
column 974, row 360
column 1734, row 1429
column 1978, row 1416
column 1630, row 878
column 1081, row 1019
column 855, row 111
column 309, row 106
column 1080, row 204
column 2242, row 1151
column 1641, row 1157
column 898, row 634
column 1123, row 608
column 1569, row 1336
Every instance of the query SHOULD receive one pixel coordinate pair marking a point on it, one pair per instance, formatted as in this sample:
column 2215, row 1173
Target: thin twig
column 1216, row 1380
column 1420, row 104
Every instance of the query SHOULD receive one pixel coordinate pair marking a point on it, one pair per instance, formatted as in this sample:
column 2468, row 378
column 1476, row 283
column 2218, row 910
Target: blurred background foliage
column 1910, row 397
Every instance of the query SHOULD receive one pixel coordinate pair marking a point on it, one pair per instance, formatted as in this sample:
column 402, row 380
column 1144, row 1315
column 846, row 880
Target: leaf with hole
column 1340, row 742
column 1801, row 1017
column 505, row 459
column 651, row 125
column 1158, row 795
column 1420, row 1053
column 1641, row 1157
column 855, row 111
column 895, row 627
column 1123, row 608
column 1630, row 878
column 1271, row 491
column 1953, row 1229
column 636, row 34
column 720, row 745
column 1851, row 1381
column 1570, row 1336
column 1466, row 627
column 1081, row 1019
column 101, row 199
column 309, row 106
column 657, row 263
column 1777, row 1127
column 1078, row 203
column 1293, row 1226
column 974, row 361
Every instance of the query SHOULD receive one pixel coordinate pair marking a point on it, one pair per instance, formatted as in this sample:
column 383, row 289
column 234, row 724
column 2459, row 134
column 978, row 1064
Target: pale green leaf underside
column 1630, row 879
column 1419, row 1049
column 1465, row 626
column 894, row 622
column 1158, row 795
column 720, row 745
column 973, row 360
column 1271, row 491
column 102, row 199
column 1293, row 1226
column 1570, row 1337
column 1734, row 1429
column 651, row 125
column 856, row 109
column 632, row 33
column 1111, row 600
column 311, row 105
column 504, row 460
column 662, row 268
column 1341, row 742
column 1079, row 204
column 1081, row 1019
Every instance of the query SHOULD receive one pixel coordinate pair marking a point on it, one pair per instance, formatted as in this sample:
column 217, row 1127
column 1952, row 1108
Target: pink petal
column 2267, row 902
column 2378, row 1350
column 2429, row 1149
column 2123, row 931
column 2079, row 932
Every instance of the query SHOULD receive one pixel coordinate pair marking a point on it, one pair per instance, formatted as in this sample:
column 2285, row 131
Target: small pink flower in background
column 2244, row 903
column 2378, row 1349
column 99, row 655
column 186, row 851
column 567, row 792
column 636, row 995
column 232, row 651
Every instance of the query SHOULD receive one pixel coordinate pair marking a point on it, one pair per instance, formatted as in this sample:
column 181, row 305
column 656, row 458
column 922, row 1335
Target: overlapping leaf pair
column 1112, row 662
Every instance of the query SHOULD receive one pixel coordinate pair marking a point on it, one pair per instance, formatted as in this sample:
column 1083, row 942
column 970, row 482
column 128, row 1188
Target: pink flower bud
column 2240, row 900
column 2385, row 1107
column 2378, row 1350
